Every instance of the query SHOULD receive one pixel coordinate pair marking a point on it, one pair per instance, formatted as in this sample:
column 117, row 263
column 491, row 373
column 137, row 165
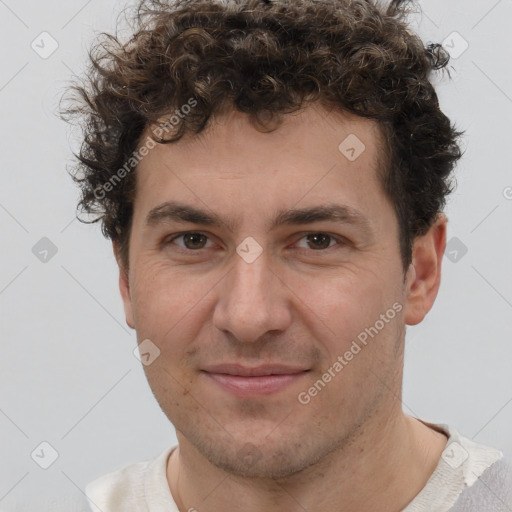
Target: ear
column 424, row 274
column 124, row 287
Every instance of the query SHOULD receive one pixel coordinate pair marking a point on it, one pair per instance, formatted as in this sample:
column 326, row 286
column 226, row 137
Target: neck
column 382, row 469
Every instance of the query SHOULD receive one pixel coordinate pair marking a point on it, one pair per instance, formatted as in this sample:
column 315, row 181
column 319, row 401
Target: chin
column 280, row 459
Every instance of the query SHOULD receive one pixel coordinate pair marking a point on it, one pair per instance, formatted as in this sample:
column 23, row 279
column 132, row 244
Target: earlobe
column 424, row 278
column 124, row 288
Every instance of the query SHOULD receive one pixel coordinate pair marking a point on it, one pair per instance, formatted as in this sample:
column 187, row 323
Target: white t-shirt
column 469, row 477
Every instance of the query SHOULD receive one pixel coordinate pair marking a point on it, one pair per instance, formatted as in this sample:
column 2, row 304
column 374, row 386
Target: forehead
column 313, row 157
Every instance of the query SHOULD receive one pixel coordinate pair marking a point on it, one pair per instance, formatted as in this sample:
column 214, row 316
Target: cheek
column 340, row 307
column 171, row 307
column 160, row 301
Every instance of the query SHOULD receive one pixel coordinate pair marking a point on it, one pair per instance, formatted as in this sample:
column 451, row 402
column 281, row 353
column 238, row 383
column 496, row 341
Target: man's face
column 312, row 292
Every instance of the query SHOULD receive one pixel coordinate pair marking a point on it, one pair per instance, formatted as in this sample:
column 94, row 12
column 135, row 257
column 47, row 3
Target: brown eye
column 191, row 241
column 194, row 240
column 318, row 241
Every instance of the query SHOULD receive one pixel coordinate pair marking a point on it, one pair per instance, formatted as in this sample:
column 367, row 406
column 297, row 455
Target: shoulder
column 492, row 492
column 470, row 477
column 127, row 488
column 500, row 473
column 488, row 480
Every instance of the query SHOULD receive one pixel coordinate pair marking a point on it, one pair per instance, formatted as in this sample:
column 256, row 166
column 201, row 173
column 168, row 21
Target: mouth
column 245, row 381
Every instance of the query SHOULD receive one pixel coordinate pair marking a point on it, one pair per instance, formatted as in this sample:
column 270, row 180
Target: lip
column 255, row 371
column 245, row 381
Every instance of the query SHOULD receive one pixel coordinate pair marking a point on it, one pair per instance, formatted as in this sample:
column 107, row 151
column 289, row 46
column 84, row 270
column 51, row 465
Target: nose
column 252, row 301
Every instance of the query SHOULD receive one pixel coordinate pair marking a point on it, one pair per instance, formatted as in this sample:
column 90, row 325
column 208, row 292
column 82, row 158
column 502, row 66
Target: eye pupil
column 196, row 240
column 320, row 240
column 315, row 241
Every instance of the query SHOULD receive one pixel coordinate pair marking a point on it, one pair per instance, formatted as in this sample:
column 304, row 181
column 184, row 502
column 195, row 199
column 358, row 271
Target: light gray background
column 68, row 375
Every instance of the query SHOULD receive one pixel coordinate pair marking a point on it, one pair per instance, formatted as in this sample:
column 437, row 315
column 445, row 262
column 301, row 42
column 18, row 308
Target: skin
column 351, row 447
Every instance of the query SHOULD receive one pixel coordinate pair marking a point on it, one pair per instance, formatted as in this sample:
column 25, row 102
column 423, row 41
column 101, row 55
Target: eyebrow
column 178, row 212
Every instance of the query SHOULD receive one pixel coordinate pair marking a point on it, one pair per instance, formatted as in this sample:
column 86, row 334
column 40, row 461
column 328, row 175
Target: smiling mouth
column 245, row 382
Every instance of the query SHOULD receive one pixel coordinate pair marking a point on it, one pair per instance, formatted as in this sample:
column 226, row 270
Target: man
column 272, row 175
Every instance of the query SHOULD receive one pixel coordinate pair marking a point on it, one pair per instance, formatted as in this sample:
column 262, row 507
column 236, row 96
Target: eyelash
column 339, row 241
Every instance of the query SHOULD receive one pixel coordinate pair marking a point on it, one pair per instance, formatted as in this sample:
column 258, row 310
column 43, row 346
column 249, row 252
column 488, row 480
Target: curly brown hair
column 266, row 59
